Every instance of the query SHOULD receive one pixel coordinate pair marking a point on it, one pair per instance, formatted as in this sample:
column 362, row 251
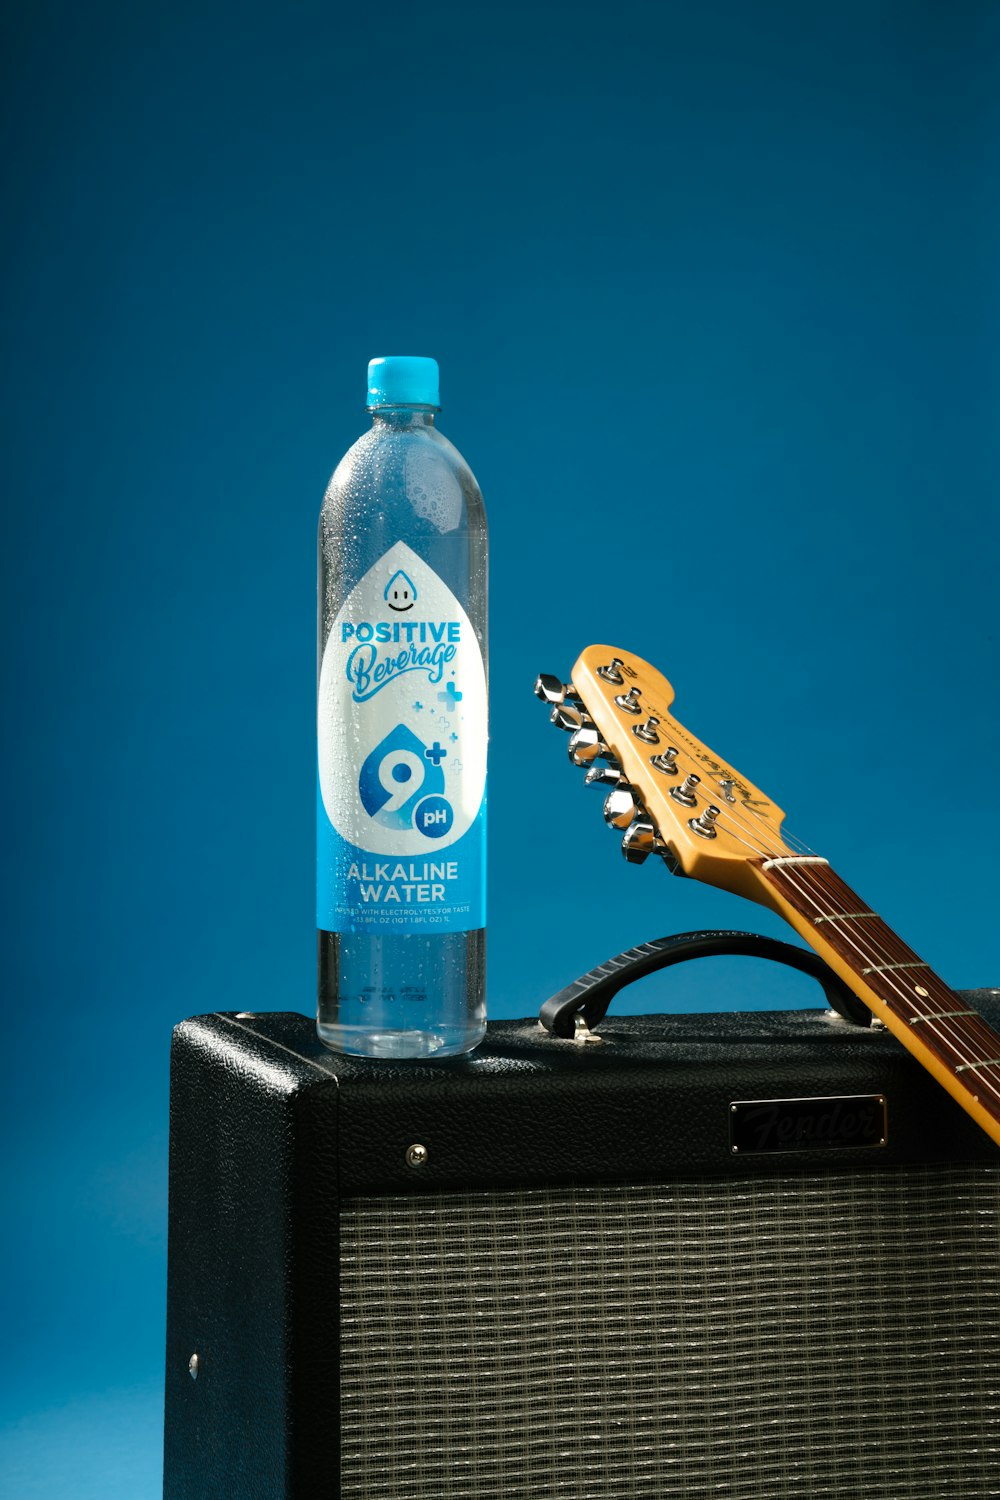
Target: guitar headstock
column 665, row 790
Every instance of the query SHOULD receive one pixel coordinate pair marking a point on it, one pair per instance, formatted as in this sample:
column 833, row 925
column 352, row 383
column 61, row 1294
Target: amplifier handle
column 589, row 996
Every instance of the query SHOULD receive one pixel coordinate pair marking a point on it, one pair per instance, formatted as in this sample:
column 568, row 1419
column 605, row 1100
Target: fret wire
column 847, row 946
column 884, row 968
column 944, row 1034
column 879, row 942
column 828, row 888
column 829, row 885
column 870, row 943
column 940, row 1015
column 951, row 1042
column 788, row 867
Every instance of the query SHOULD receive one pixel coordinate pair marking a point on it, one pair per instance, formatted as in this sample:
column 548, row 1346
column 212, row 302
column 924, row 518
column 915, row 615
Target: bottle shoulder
column 417, row 472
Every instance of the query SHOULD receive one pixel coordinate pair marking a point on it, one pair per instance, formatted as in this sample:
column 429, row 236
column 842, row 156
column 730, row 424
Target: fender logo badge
column 848, row 1122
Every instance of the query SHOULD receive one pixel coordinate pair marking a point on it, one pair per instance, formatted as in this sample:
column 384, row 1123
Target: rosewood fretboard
column 955, row 1043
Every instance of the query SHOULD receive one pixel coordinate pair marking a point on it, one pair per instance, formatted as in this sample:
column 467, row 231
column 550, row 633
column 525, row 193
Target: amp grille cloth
column 794, row 1336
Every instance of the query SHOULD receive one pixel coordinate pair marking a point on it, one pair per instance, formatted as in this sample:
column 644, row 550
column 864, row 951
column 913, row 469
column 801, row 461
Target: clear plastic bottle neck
column 403, row 416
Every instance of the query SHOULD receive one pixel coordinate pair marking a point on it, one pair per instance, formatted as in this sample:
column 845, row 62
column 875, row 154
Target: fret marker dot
column 918, row 989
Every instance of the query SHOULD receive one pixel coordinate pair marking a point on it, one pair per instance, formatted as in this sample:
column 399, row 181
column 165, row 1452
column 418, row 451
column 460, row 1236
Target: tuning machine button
column 568, row 716
column 586, row 745
column 620, row 808
column 685, row 793
column 665, row 762
column 613, row 671
column 640, row 841
column 629, row 701
column 705, row 825
column 553, row 690
column 609, row 775
column 647, row 731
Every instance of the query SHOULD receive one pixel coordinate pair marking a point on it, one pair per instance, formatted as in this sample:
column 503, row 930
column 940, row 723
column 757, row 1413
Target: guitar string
column 784, row 840
column 828, row 886
column 871, row 947
column 977, row 1031
column 791, row 839
column 943, row 1028
column 947, row 1033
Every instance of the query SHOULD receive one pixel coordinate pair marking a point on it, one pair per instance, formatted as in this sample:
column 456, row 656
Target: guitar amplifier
column 739, row 1256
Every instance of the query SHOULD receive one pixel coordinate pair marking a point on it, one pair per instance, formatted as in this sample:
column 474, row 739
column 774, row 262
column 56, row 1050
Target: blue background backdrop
column 714, row 294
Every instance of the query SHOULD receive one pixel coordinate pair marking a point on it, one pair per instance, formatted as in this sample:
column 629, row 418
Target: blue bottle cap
column 403, row 380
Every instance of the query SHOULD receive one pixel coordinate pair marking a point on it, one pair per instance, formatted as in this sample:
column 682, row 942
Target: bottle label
column 402, row 758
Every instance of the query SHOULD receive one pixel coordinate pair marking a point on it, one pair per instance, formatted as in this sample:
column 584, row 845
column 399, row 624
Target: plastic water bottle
column 402, row 705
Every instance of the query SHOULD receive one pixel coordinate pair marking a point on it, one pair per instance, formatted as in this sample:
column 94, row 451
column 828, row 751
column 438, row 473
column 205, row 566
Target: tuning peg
column 553, row 690
column 685, row 793
column 620, row 807
column 586, row 745
column 647, row 731
column 613, row 671
column 665, row 762
column 705, row 825
column 629, row 701
column 609, row 775
column 568, row 716
column 640, row 841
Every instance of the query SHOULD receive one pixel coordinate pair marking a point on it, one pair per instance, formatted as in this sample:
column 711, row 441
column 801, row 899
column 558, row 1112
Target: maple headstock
column 670, row 795
column 667, row 792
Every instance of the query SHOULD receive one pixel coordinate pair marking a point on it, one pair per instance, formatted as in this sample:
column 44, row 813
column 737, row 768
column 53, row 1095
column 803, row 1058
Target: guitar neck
column 954, row 1043
column 673, row 796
